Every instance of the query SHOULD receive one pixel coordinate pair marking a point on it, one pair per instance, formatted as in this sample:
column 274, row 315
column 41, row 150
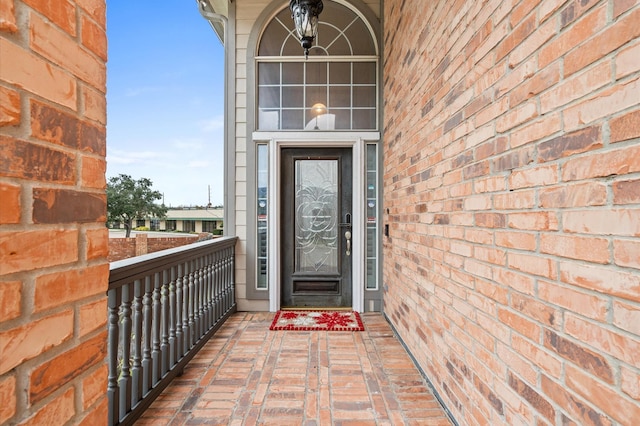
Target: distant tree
column 129, row 199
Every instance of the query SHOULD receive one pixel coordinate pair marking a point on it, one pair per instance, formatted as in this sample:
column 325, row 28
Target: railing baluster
column 155, row 353
column 216, row 286
column 179, row 309
column 193, row 282
column 205, row 293
column 186, row 294
column 124, row 383
column 226, row 280
column 209, row 285
column 164, row 303
column 159, row 315
column 216, row 289
column 147, row 311
column 221, row 284
column 172, row 317
column 113, row 392
column 220, row 265
column 201, row 298
column 193, row 293
column 232, row 277
column 136, row 370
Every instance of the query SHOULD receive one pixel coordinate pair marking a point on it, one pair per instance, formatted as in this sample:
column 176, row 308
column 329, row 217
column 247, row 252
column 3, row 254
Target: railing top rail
column 124, row 271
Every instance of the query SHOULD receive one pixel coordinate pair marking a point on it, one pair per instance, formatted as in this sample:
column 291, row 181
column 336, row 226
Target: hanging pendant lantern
column 305, row 15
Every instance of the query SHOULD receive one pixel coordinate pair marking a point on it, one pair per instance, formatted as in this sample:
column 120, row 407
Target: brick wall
column 512, row 183
column 53, row 242
column 124, row 248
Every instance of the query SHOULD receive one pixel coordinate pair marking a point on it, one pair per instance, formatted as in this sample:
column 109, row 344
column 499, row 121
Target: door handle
column 347, row 235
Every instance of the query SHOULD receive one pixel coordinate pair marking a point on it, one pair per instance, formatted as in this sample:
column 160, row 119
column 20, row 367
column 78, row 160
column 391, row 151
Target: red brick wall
column 53, row 242
column 124, row 248
column 512, row 180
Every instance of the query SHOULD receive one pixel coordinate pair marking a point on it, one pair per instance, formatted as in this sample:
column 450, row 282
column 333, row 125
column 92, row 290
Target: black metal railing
column 162, row 308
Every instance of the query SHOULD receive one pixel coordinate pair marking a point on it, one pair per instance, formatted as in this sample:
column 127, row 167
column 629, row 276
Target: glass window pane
column 364, row 119
column 364, row 72
column 371, row 184
column 293, row 119
column 338, row 15
column 341, row 46
column 262, row 282
column 268, row 119
column 333, row 40
column 312, row 119
column 269, row 97
column 340, row 73
column 316, row 216
column 268, row 73
column 371, row 241
column 361, row 45
column 263, row 174
column 364, row 96
column 274, row 34
column 316, row 94
column 291, row 47
column 324, row 120
column 292, row 97
column 292, row 73
column 372, row 274
column 317, row 51
column 339, row 96
column 316, row 72
column 343, row 118
column 372, row 161
column 371, row 209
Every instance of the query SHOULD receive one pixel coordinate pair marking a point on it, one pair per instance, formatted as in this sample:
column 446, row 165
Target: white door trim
column 357, row 142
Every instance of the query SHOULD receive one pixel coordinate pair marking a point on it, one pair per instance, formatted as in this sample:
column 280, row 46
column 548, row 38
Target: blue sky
column 165, row 99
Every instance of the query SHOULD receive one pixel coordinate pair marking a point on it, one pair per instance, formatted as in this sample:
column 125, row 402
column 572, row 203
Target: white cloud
column 198, row 164
column 117, row 159
column 137, row 155
column 212, row 124
column 139, row 158
column 147, row 155
column 193, row 143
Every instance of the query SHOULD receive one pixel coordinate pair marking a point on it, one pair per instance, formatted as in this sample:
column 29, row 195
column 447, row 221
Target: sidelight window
column 261, row 219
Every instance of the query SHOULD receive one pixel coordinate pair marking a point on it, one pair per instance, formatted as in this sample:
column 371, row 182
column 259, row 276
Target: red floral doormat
column 317, row 320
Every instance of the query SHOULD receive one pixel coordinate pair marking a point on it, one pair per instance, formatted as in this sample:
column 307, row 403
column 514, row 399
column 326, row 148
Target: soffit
column 219, row 6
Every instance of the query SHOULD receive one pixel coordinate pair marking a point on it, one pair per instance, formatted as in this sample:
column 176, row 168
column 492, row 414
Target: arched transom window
column 334, row 89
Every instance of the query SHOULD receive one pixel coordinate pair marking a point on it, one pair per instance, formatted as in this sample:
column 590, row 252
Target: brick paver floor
column 247, row 374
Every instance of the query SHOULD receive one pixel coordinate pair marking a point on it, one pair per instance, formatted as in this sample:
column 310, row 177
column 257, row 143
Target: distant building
column 187, row 220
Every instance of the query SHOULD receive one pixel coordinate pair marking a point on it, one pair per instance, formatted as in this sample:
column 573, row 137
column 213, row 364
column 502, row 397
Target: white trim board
column 279, row 140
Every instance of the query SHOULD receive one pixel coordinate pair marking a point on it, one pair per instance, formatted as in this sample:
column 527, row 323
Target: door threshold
column 316, row 308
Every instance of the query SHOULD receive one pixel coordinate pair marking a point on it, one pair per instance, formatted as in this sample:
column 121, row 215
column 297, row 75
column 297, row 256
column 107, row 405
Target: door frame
column 317, row 139
column 340, row 295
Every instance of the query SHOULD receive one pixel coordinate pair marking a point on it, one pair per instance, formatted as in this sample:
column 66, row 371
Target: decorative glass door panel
column 316, row 227
column 316, row 220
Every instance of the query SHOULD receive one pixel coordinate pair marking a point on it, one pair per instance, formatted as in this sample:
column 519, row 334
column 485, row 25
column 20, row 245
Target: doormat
column 317, row 321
